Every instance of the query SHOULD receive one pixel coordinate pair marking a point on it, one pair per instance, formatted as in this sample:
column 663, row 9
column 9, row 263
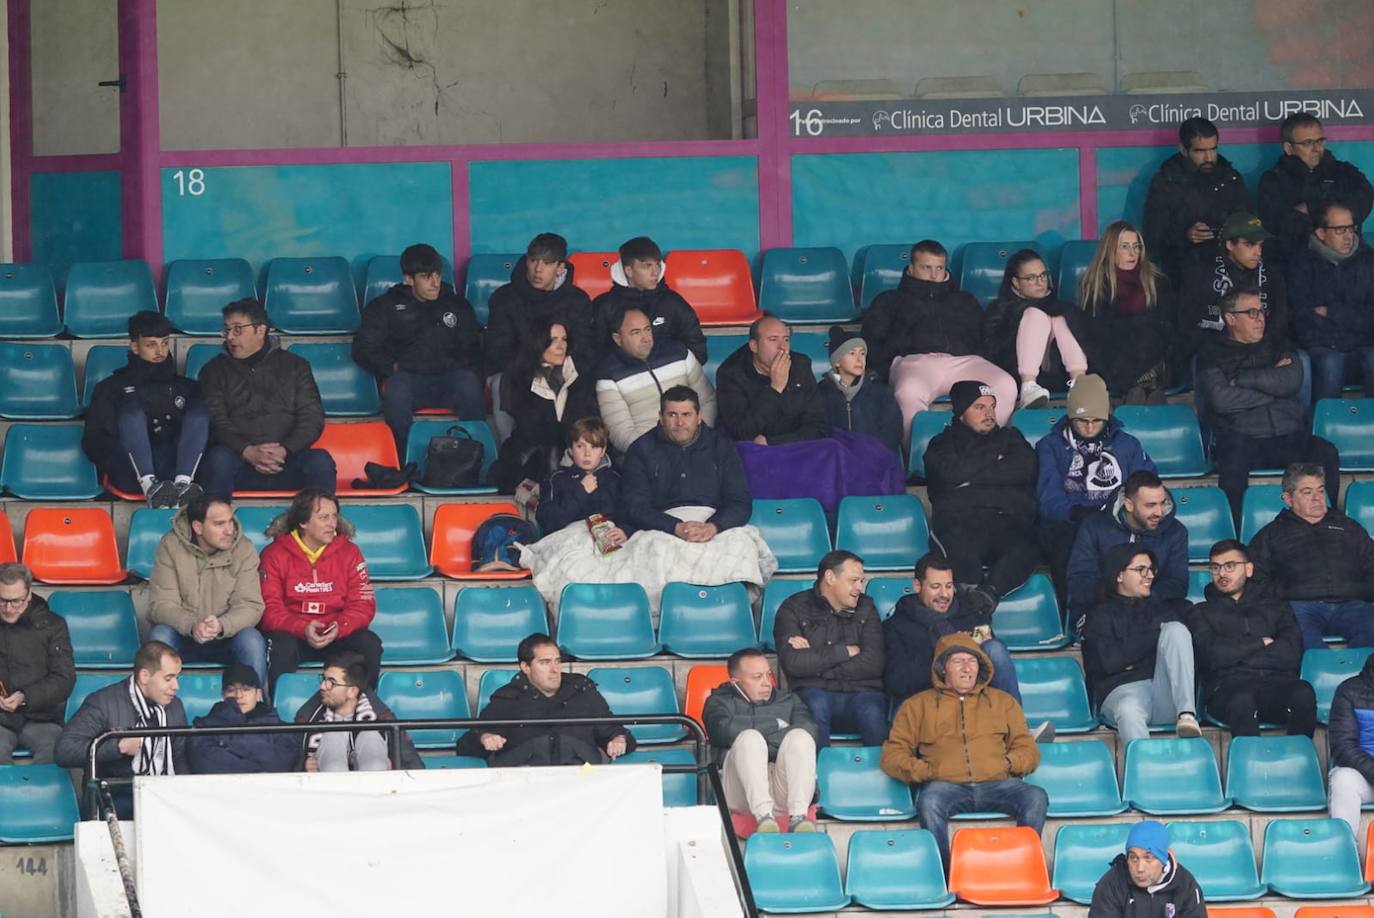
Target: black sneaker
column 163, row 495
column 188, row 492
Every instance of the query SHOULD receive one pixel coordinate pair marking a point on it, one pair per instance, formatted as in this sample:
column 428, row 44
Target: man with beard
column 1190, row 197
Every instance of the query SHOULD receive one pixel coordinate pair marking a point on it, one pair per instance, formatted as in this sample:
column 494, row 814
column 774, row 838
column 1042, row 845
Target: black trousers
column 1243, row 704
column 286, row 652
column 1236, row 455
column 1006, row 547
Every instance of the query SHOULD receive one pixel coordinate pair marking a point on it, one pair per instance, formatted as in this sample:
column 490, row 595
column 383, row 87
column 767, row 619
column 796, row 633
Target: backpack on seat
column 496, row 542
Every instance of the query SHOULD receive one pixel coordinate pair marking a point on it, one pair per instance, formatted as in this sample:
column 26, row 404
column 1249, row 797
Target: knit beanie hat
column 1088, row 398
column 240, row 674
column 840, row 342
column 1152, row 836
column 966, row 392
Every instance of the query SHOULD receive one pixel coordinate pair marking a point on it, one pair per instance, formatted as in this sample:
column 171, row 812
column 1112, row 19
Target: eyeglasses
column 1225, row 567
column 1345, row 229
column 1142, row 570
column 1309, row 144
column 15, row 603
column 1033, row 278
column 233, row 331
column 1131, row 246
column 331, row 683
column 1251, row 313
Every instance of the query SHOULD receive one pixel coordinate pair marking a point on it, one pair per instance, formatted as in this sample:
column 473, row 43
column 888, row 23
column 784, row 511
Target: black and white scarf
column 363, row 711
column 154, row 753
column 1093, row 470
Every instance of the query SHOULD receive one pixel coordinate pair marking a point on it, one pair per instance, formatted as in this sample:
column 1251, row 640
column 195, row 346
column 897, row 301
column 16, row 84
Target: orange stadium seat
column 451, row 545
column 71, row 545
column 1261, row 911
column 7, row 552
column 592, row 271
column 702, row 680
column 716, row 282
column 1001, row 866
column 353, row 446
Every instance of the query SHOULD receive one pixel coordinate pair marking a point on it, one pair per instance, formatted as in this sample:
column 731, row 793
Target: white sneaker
column 1187, row 726
column 1034, row 395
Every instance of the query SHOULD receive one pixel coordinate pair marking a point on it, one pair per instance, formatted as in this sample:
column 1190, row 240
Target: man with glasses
column 343, row 698
column 1249, row 649
column 1250, row 387
column 265, row 412
column 1190, row 197
column 36, row 668
column 1306, row 176
column 1137, row 651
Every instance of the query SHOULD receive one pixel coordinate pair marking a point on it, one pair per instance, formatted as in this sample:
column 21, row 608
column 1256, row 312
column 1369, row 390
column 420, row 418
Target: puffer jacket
column 267, row 398
column 1228, row 638
column 751, row 407
column 401, row 332
column 516, row 307
column 912, row 631
column 1245, row 393
column 969, row 472
column 659, row 475
column 1120, row 637
column 727, row 714
column 563, row 500
column 671, row 316
column 1179, row 196
column 628, row 390
column 940, row 735
column 1350, row 728
column 36, row 659
column 163, row 394
column 577, row 696
column 921, row 317
column 1289, row 183
column 1106, row 528
column 1345, row 287
column 335, row 588
column 1331, row 560
column 1176, row 895
column 189, row 582
column 241, row 753
column 826, row 664
column 1003, row 325
column 871, row 409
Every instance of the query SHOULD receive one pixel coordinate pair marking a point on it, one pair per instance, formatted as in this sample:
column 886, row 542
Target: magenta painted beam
column 462, row 218
column 771, row 89
column 1087, row 193
column 21, row 126
column 139, row 136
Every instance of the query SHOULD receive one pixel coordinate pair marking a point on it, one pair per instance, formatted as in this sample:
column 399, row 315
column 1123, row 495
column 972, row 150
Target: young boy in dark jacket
column 588, row 486
column 638, row 281
column 854, row 398
column 241, row 753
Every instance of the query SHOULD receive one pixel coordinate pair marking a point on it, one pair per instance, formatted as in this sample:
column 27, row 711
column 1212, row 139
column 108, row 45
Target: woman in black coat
column 1033, row 335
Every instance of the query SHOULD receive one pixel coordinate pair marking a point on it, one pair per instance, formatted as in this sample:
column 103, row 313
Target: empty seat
column 1350, row 427
column 198, row 355
column 28, row 302
column 702, row 680
column 1274, row 774
column 417, row 451
column 199, row 692
column 1168, row 776
column 45, row 462
column 852, row 786
column 1148, row 82
column 774, row 595
column 1207, row 516
column 101, row 623
column 1311, row 859
column 384, row 272
column 1359, row 503
column 718, row 347
column 492, row 680
column 454, row 761
column 706, row 621
column 1080, row 779
column 101, row 361
column 631, row 690
column 86, row 683
column 353, row 446
column 197, row 289
column 1074, row 257
column 1220, row 856
column 410, row 622
column 1035, row 423
column 606, row 621
column 812, row 345
column 451, row 550
column 485, row 274
column 1325, row 669
column 886, row 592
column 888, row 532
column 883, row 267
column 1082, row 854
column 924, row 426
column 1259, row 506
column 311, row 296
column 391, row 538
column 1028, row 617
column 346, row 389
column 38, row 382
column 795, row 530
column 806, row 285
column 71, row 545
column 678, row 789
column 716, row 282
column 960, row 87
column 592, row 271
column 1170, row 434
column 896, row 869
column 254, row 520
column 1197, row 584
column 1052, row 688
column 794, row 873
column 873, row 90
column 490, row 622
column 1002, row 866
column 37, row 805
column 293, row 691
column 984, row 263
column 432, row 695
column 101, row 295
column 146, row 529
column 1061, row 84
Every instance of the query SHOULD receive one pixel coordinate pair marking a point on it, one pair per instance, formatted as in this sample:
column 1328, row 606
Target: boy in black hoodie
column 639, row 281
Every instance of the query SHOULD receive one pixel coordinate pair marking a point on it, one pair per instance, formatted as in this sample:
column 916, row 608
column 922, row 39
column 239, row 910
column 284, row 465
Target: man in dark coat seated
column 241, row 753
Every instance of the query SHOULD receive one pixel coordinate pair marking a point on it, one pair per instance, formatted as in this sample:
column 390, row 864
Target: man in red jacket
column 316, row 594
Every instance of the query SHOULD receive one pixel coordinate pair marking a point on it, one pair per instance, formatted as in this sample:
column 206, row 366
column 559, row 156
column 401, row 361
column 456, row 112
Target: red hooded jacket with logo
column 335, row 588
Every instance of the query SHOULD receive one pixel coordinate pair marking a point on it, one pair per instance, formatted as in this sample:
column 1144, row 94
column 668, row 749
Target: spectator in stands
column 148, row 698
column 1147, row 880
column 1318, row 559
column 1331, row 283
column 542, row 690
column 1307, row 177
column 265, row 412
column 1034, row 334
column 1083, row 463
column 639, row 281
column 422, row 339
column 1190, row 197
column 635, row 372
column 1137, row 651
column 317, row 597
column 768, row 394
column 965, row 745
column 242, row 705
column 981, row 481
column 1249, row 648
column 146, row 426
column 545, row 391
column 205, row 598
column 764, row 740
column 345, row 697
column 1132, row 308
column 1250, row 388
column 1142, row 514
column 855, row 400
column 37, row 673
column 830, row 648
column 926, row 335
column 585, row 485
column 1350, row 747
column 541, row 292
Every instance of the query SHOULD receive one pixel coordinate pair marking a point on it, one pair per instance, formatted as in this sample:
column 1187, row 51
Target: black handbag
column 453, row 460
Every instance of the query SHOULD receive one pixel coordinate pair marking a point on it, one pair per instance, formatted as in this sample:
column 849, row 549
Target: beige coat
column 188, row 583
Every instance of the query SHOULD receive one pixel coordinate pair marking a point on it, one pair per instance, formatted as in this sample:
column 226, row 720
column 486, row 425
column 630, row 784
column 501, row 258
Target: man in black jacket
column 541, row 288
column 423, row 340
column 768, row 394
column 1351, row 747
column 242, row 705
column 146, row 426
column 982, row 494
column 542, row 690
column 1318, row 559
column 1331, row 282
column 639, row 281
column 1249, row 649
column 265, row 412
column 1147, row 881
column 830, row 647
column 37, row 673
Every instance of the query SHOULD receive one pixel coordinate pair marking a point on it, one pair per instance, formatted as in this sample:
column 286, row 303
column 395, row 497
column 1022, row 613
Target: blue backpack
column 494, row 544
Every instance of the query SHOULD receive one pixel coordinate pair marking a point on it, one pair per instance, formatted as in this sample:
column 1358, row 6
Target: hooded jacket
column 1180, row 196
column 1121, row 635
column 1228, row 638
column 751, row 407
column 1102, row 530
column 160, row 391
column 727, row 714
column 628, row 391
column 1289, row 183
column 1331, row 560
column 1350, row 726
column 312, row 712
column 1207, row 280
column 518, row 306
column 968, row 472
column 871, row 409
column 1003, row 324
column 402, row 332
column 335, row 588
column 577, row 696
column 941, row 735
column 563, row 500
column 826, row 664
column 1054, row 455
column 36, row 659
column 190, row 582
column 912, row 632
column 1244, row 393
column 1344, row 287
column 670, row 315
column 111, row 708
column 921, row 317
column 243, row 753
column 267, row 398
column 659, row 475
column 1176, row 895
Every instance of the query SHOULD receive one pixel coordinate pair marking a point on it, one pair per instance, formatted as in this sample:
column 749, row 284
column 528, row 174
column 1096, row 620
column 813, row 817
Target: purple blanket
column 828, row 469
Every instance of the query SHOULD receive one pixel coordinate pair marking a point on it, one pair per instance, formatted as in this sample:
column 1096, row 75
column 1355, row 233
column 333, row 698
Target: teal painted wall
column 75, row 216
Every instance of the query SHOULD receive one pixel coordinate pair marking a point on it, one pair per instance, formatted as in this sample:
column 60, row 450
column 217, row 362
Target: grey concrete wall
column 74, row 45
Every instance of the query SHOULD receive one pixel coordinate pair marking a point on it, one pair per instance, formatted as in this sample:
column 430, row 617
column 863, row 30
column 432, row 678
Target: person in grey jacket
column 765, row 742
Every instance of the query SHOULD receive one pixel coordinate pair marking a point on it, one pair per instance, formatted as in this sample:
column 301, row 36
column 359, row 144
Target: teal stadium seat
column 795, row 530
column 384, row 272
column 1082, row 854
column 417, row 451
column 812, row 345
column 983, row 263
column 346, row 389
column 490, row 622
column 199, row 692
column 718, row 347
column 453, row 761
column 311, row 296
column 1311, row 859
column 883, row 267
column 37, row 382
column 1170, row 776
column 103, row 628
column 888, row 532
column 853, row 788
column 1262, row 502
column 606, row 621
column 392, row 539
column 1035, row 423
column 678, row 789
column 1359, row 503
column 1350, row 426
column 1207, row 516
column 485, row 274
column 87, row 683
column 1274, row 774
column 1080, row 779
column 631, row 690
column 198, row 355
column 897, row 869
column 45, row 462
column 293, row 691
column 254, row 520
column 430, row 695
column 1170, row 435
column 101, row 361
column 146, row 528
column 1052, row 688
column 806, row 285
column 1198, row 581
column 701, row 622
column 28, row 302
column 1220, row 856
column 924, row 426
column 1028, row 617
column 793, row 874
column 198, row 288
column 492, row 680
column 410, row 622
column 1074, row 258
column 774, row 595
column 101, row 295
column 1326, row 668
column 37, row 805
column 886, row 592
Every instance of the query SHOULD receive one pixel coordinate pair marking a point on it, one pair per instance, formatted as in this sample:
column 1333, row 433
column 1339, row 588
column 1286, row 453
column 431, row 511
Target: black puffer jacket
column 671, row 315
column 1004, row 322
column 826, row 664
column 921, row 317
column 1345, row 288
column 1207, row 280
column 1352, row 716
column 1120, row 636
column 748, row 406
column 1245, row 393
column 968, row 472
column 518, row 699
column 1289, row 183
column 157, row 387
column 912, row 631
column 1228, row 638
column 242, row 753
column 563, row 500
column 36, row 659
column 400, row 332
column 1180, row 196
column 1329, row 560
column 1177, row 894
column 518, row 306
column 270, row 397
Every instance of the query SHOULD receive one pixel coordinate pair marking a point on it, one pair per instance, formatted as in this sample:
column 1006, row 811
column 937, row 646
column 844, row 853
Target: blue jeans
column 458, row 390
column 168, row 458
column 248, row 647
column 1330, row 366
column 861, row 712
column 1003, row 672
column 1352, row 619
column 939, row 800
column 225, row 472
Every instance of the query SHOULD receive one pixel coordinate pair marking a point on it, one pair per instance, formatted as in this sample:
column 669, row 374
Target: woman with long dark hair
column 1032, row 334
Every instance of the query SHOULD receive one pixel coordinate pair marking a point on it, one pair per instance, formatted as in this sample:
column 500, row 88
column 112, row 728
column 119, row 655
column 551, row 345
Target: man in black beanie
column 241, row 753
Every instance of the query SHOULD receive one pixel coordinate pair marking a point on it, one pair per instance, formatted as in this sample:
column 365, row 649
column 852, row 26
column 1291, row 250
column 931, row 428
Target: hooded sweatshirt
column 1176, row 895
column 191, row 581
column 670, row 315
column 334, row 587
column 518, row 306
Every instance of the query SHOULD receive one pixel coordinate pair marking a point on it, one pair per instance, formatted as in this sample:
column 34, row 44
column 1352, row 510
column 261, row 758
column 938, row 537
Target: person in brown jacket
column 966, row 744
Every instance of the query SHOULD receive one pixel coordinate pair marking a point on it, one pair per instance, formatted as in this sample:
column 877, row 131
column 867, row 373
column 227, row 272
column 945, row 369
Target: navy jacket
column 1054, row 456
column 1106, row 528
column 563, row 500
column 1352, row 720
column 912, row 631
column 249, row 753
column 1345, row 288
column 660, row 475
column 872, row 411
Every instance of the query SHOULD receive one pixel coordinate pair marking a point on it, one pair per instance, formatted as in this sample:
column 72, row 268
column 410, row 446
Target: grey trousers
column 39, row 737
column 1133, row 706
column 369, row 752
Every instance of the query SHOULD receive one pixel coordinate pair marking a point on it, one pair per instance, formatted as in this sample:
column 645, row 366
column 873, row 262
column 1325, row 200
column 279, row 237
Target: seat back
column 346, row 389
column 795, row 530
column 1326, row 668
column 312, row 296
column 631, row 690
column 1197, row 584
column 852, row 786
column 1206, row 514
column 353, row 445
column 492, row 680
column 1359, row 503
column 45, row 462
column 774, row 595
column 199, row 691
column 678, row 789
column 1274, row 774
column 86, row 683
column 1082, row 854
column 1220, row 857
column 983, row 264
column 924, row 426
column 198, row 355
column 1080, row 779
column 1311, row 859
column 592, row 271
column 101, row 295
column 1167, row 776
column 101, row 623
column 198, row 288
column 426, row 695
column 1035, row 423
column 1309, row 911
column 146, row 529
column 1074, row 257
column 717, row 284
column 451, row 544
column 101, row 361
column 1028, row 617
column 28, row 302
column 706, row 621
column 718, row 347
column 7, row 552
column 254, row 520
column 293, row 691
column 794, row 873
column 1052, row 688
column 606, row 621
column 1002, row 866
column 883, row 267
column 1350, row 427
column 1170, row 435
column 1259, row 506
column 37, row 805
column 490, row 622
column 391, row 539
column 811, row 344
column 485, row 273
column 37, row 381
column 702, row 680
column 897, row 869
column 806, row 285
column 71, row 545
column 410, row 622
column 886, row 592
column 384, row 272
column 888, row 532
column 417, row 451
